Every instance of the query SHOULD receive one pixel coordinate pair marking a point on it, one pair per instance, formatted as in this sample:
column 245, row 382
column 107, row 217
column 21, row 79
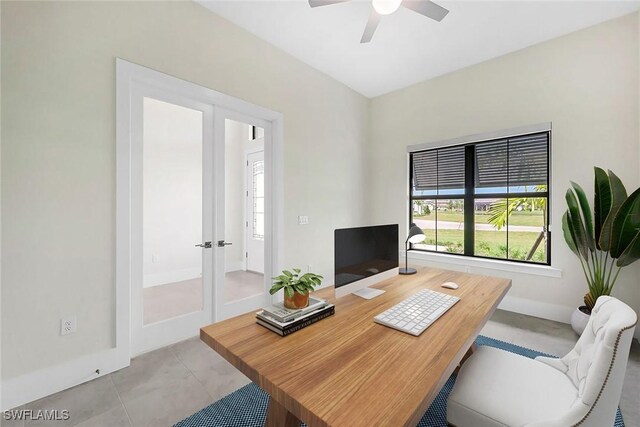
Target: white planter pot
column 579, row 321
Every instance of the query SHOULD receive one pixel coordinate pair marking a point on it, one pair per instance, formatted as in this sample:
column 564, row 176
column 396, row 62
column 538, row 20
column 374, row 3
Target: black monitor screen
column 364, row 251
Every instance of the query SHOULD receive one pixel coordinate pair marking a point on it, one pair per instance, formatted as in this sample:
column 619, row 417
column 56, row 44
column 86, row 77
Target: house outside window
column 487, row 198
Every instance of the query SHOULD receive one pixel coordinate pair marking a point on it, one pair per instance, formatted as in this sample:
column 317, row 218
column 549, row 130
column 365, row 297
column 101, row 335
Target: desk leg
column 467, row 355
column 278, row 416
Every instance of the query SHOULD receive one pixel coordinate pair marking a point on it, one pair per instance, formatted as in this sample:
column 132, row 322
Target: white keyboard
column 416, row 313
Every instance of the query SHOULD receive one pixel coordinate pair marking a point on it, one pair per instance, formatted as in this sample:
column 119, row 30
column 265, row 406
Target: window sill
column 489, row 264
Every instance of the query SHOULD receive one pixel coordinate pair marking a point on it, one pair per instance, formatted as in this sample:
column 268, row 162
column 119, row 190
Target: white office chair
column 497, row 388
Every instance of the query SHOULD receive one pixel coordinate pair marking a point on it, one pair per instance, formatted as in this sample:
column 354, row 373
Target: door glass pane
column 244, row 212
column 172, row 210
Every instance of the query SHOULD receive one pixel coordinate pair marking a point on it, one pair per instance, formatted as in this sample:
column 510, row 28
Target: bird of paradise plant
column 606, row 240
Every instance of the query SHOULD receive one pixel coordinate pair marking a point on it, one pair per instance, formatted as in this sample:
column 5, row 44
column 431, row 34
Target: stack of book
column 285, row 321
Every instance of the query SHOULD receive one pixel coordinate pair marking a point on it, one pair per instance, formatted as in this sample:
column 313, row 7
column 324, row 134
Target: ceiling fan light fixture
column 386, row 7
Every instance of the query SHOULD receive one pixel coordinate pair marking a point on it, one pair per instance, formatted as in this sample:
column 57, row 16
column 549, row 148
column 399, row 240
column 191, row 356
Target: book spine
column 291, row 317
column 266, row 318
column 269, row 326
column 308, row 322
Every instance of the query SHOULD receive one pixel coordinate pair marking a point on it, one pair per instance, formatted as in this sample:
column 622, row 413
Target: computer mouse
column 450, row 285
column 373, row 270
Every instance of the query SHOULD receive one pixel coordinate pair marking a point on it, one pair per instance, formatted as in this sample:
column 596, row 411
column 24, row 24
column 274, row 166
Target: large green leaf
column 601, row 202
column 618, row 196
column 625, row 225
column 587, row 217
column 576, row 225
column 568, row 235
column 631, row 254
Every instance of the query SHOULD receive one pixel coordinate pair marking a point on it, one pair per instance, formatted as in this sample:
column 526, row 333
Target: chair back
column 598, row 362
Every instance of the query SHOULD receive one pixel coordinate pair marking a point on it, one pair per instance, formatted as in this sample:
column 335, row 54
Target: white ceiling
column 408, row 48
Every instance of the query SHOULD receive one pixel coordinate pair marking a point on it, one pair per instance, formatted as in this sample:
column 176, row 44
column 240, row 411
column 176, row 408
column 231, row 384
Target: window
column 258, row 199
column 484, row 199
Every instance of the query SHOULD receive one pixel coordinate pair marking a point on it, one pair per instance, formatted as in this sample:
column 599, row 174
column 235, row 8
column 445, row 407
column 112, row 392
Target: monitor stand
column 368, row 293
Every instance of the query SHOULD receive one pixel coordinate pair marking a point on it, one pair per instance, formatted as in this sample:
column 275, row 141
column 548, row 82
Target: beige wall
column 586, row 83
column 58, row 154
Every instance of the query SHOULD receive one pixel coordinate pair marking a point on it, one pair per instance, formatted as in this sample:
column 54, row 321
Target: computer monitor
column 364, row 256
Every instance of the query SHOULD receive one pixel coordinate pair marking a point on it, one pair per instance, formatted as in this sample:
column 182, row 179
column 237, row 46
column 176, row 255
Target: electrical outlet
column 303, row 219
column 68, row 325
column 154, row 258
column 309, row 268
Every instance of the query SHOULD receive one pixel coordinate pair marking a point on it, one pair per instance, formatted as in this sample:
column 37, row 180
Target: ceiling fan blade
column 426, row 8
column 316, row 3
column 372, row 24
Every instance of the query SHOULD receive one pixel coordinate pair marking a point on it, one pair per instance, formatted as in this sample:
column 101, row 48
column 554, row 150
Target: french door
column 173, row 274
column 172, row 185
column 237, row 287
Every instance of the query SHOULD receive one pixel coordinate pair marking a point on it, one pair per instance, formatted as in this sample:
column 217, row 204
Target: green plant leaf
column 297, row 270
column 275, row 288
column 601, row 202
column 576, row 225
column 631, row 254
column 288, row 290
column 626, row 224
column 587, row 217
column 568, row 236
column 618, row 196
column 287, row 273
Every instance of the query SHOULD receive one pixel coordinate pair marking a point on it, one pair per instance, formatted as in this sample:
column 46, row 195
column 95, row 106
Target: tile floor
column 167, row 385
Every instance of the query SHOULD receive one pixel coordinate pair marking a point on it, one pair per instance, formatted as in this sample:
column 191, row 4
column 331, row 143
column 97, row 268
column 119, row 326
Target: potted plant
column 604, row 241
column 296, row 287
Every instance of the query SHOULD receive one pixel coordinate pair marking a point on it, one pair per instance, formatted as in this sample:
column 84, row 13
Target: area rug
column 247, row 407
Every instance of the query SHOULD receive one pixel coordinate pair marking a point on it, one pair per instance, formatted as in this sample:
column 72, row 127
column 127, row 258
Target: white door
column 172, row 180
column 239, row 287
column 254, row 224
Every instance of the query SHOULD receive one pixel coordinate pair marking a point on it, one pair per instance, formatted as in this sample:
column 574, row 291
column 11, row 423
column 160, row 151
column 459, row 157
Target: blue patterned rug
column 247, row 407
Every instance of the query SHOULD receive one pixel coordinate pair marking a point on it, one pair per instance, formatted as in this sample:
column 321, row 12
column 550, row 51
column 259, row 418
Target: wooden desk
column 347, row 370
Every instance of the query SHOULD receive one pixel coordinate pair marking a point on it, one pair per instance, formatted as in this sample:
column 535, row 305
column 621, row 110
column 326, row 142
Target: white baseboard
column 559, row 313
column 544, row 310
column 44, row 382
column 171, row 276
column 233, row 266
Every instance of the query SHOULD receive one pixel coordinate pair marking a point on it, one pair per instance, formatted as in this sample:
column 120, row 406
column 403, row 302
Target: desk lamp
column 415, row 236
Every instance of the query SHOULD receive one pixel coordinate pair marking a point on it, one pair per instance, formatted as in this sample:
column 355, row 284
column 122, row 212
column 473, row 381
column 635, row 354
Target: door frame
column 127, row 75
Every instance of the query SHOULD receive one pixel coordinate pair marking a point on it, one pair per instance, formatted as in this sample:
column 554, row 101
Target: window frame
column 469, row 196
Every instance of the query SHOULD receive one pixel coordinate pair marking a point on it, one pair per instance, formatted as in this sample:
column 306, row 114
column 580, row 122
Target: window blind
column 512, row 162
column 508, row 162
column 528, row 163
column 439, row 169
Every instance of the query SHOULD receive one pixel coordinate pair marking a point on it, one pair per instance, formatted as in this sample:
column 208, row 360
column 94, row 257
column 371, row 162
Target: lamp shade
column 415, row 234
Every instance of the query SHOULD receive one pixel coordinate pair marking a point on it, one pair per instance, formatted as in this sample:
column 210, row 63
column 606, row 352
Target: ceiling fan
column 387, row 7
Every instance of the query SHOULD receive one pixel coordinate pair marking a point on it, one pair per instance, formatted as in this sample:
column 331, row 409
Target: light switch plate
column 303, row 219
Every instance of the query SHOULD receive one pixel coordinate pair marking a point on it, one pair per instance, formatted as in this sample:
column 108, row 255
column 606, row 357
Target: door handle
column 205, row 245
column 222, row 243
